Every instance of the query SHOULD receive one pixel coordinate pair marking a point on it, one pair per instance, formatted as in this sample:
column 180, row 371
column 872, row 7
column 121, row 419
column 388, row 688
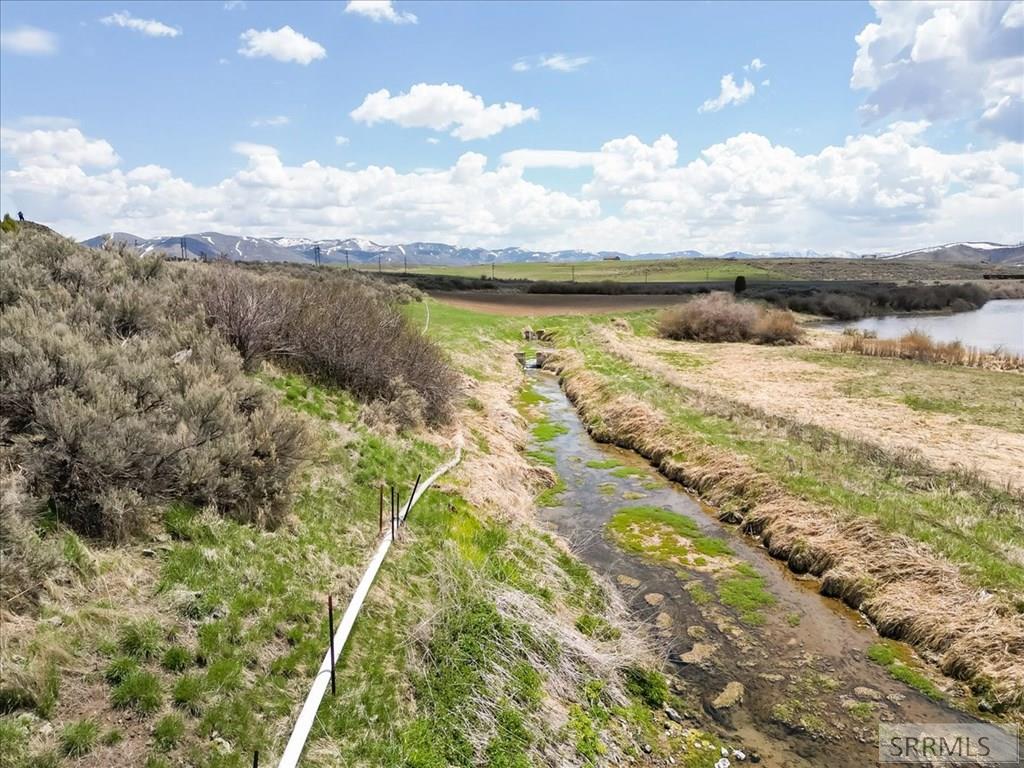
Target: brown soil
column 521, row 304
column 770, row 379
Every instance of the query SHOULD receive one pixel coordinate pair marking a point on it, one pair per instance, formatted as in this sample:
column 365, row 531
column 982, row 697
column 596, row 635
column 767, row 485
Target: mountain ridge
column 210, row 245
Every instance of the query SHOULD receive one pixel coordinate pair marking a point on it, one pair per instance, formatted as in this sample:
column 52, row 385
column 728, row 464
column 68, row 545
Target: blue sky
column 858, row 127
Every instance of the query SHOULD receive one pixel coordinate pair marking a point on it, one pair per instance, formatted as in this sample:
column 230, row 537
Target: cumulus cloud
column 341, row 140
column 439, row 107
column 284, row 44
column 28, row 41
column 755, row 65
column 380, row 10
column 874, row 191
column 945, row 60
column 433, row 140
column 730, row 94
column 271, row 122
column 148, row 27
column 56, row 148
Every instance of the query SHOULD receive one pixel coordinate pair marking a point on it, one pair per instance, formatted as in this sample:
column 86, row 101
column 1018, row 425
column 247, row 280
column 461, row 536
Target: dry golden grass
column 918, row 345
column 902, row 586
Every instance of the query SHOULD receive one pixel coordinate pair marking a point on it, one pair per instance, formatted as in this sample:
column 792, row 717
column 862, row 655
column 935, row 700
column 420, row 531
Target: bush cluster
column 341, row 331
column 721, row 317
column 852, row 301
column 117, row 397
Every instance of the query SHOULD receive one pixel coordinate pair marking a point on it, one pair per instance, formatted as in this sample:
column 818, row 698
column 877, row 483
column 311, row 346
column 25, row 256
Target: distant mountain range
column 210, row 245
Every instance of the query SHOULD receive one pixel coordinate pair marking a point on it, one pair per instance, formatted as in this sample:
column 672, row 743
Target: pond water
column 997, row 326
column 810, row 696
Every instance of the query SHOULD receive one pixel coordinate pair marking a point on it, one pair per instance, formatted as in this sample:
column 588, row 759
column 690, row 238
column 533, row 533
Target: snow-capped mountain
column 976, row 251
column 361, row 251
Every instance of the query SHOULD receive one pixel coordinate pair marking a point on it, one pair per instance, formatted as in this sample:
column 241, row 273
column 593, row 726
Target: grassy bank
column 198, row 646
column 843, row 510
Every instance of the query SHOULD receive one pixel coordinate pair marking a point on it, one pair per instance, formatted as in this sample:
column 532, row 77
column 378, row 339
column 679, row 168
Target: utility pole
column 573, row 268
column 346, row 261
column 405, row 269
column 184, row 250
column 492, row 270
column 380, row 263
column 316, row 254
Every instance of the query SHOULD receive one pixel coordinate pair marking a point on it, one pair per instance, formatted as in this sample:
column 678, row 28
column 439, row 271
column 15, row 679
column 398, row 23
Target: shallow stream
column 810, row 696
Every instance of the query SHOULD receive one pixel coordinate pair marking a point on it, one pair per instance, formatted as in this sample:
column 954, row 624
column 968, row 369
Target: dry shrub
column 340, row 331
column 777, row 326
column 918, row 345
column 118, row 398
column 27, row 558
column 721, row 317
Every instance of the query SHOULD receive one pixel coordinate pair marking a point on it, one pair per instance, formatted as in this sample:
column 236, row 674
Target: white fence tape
column 304, row 723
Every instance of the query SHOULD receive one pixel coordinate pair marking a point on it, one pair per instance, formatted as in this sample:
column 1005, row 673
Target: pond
column 997, row 326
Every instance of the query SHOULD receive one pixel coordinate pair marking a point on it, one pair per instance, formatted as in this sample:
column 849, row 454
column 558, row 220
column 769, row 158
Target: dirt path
column 770, row 379
column 543, row 304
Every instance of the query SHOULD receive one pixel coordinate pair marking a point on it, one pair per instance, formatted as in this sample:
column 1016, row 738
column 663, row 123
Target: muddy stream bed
column 810, row 696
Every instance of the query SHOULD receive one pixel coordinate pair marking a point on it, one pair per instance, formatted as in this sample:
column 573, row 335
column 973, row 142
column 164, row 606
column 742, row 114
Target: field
column 714, row 270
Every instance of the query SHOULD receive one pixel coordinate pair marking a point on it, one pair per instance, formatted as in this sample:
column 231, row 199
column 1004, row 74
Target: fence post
column 380, row 523
column 408, row 506
column 330, row 630
column 256, row 759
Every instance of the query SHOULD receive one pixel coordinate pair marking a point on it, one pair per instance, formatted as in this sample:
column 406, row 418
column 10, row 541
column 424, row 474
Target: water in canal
column 810, row 696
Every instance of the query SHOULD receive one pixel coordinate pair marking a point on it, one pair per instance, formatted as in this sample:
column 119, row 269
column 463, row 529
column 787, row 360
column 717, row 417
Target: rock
column 755, row 758
column 739, row 754
column 723, row 763
column 731, row 695
column 654, row 598
column 725, row 752
column 862, row 692
column 148, row 553
column 700, row 652
column 663, row 621
column 772, row 677
column 674, row 716
column 627, row 581
column 646, row 748
column 984, row 705
column 896, row 698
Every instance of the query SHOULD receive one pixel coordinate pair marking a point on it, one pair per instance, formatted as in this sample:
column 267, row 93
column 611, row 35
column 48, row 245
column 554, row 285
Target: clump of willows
column 118, row 397
column 342, row 331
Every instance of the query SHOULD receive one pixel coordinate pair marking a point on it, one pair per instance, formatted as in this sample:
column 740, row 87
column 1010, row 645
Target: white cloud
column 730, row 94
column 284, row 44
column 56, row 148
column 440, row 107
column 755, row 65
column 885, row 190
column 29, row 41
column 548, row 158
column 559, row 62
column 341, row 140
column 945, row 60
column 562, row 63
column 46, row 122
column 380, row 10
column 433, row 140
column 765, row 83
column 271, row 122
column 148, row 27
column 234, row 5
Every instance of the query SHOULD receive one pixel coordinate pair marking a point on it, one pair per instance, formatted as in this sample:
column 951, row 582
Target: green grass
column 140, row 691
column 744, row 591
column 545, row 431
column 898, row 663
column 547, row 458
column 552, row 497
column 177, row 658
column 78, row 739
column 632, row 527
column 141, row 639
column 602, row 463
column 168, row 731
column 630, row 270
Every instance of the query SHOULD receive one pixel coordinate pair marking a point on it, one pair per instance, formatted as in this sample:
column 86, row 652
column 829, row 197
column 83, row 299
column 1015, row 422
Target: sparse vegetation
column 918, row 345
column 79, row 738
column 721, row 317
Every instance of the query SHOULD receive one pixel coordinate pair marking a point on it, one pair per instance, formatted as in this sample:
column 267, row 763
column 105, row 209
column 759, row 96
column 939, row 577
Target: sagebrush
column 721, row 317
column 117, row 397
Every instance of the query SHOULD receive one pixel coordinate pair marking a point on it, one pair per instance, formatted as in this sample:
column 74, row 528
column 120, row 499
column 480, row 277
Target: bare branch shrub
column 721, row 317
column 338, row 330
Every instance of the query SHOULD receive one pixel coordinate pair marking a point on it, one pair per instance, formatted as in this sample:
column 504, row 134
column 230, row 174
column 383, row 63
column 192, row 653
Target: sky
column 625, row 126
